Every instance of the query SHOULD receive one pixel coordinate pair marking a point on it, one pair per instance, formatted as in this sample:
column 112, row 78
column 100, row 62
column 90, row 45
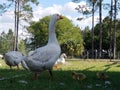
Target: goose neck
column 52, row 35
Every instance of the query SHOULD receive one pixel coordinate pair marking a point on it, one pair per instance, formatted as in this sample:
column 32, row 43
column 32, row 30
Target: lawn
column 23, row 80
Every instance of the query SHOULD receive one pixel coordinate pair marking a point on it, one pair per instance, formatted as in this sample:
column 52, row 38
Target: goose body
column 61, row 60
column 45, row 57
column 1, row 56
column 13, row 58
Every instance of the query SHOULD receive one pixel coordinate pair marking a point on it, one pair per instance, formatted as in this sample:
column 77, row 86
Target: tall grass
column 23, row 80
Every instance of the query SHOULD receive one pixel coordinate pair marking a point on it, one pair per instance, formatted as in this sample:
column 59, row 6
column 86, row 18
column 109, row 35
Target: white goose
column 13, row 58
column 1, row 56
column 60, row 60
column 45, row 57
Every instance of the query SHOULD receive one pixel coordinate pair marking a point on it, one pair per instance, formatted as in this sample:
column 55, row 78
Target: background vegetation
column 73, row 41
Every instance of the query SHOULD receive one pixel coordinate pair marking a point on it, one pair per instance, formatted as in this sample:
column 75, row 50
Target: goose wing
column 44, row 54
column 13, row 57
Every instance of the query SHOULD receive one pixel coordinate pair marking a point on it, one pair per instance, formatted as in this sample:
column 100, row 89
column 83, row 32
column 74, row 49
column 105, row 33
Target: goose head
column 54, row 18
column 63, row 55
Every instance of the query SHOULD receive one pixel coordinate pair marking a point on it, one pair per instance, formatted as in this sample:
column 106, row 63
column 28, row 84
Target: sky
column 49, row 7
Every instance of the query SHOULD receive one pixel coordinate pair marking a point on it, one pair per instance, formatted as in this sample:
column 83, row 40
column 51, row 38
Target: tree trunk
column 93, row 30
column 17, row 28
column 110, row 32
column 16, row 25
column 114, row 48
column 100, row 18
column 15, row 12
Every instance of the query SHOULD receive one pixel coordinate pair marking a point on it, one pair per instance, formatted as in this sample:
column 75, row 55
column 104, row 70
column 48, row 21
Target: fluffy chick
column 78, row 76
column 102, row 75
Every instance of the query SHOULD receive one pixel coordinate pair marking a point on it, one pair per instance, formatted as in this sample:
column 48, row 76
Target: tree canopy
column 69, row 35
column 6, row 42
column 106, row 35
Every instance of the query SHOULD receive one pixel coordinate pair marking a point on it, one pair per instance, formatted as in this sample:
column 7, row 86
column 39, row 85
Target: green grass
column 62, row 77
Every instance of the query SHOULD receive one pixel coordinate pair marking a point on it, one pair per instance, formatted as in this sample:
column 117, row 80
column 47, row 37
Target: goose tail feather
column 24, row 65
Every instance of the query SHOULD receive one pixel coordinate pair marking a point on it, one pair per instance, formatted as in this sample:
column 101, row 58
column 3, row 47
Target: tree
column 105, row 34
column 6, row 41
column 93, row 4
column 100, row 21
column 115, row 14
column 110, row 31
column 87, row 35
column 69, row 36
column 87, row 10
column 98, row 4
column 114, row 8
column 23, row 11
column 22, row 46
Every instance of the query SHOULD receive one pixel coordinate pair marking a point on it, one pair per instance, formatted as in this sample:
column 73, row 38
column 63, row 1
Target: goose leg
column 35, row 76
column 17, row 67
column 10, row 67
column 51, row 74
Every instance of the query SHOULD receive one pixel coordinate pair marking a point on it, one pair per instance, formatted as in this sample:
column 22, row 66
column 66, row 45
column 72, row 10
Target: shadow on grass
column 118, row 65
column 110, row 64
column 89, row 68
column 62, row 80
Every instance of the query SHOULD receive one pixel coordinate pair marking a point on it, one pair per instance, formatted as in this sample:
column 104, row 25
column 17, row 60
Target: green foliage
column 105, row 35
column 87, row 37
column 25, row 6
column 5, row 6
column 65, row 30
column 40, row 32
column 22, row 46
column 89, row 4
column 26, row 9
column 6, row 41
